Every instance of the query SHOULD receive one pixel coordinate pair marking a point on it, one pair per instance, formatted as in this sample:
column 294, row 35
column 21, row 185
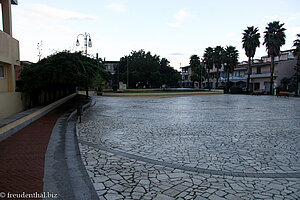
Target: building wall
column 263, row 83
column 11, row 103
column 9, row 57
column 282, row 69
column 9, row 49
column 285, row 69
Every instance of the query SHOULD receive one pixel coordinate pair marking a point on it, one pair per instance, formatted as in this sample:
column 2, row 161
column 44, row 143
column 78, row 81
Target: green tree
column 169, row 76
column 144, row 64
column 274, row 38
column 231, row 60
column 58, row 75
column 194, row 64
column 199, row 73
column 218, row 60
column 194, row 61
column 296, row 52
column 250, row 42
column 147, row 70
column 285, row 82
column 209, row 62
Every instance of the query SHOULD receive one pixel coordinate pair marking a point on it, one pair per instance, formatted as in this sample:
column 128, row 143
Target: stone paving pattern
column 219, row 133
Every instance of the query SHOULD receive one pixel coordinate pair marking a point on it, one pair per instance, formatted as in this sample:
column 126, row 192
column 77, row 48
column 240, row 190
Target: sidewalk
column 22, row 155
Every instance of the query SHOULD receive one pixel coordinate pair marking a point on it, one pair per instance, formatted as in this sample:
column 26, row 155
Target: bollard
column 79, row 112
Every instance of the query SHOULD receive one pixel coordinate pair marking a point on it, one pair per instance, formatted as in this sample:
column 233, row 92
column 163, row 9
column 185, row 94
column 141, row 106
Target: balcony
column 9, row 49
column 185, row 73
column 265, row 75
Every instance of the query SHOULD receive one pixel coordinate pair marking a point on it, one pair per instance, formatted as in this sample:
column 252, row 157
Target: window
column 256, row 86
column 1, row 71
column 258, row 70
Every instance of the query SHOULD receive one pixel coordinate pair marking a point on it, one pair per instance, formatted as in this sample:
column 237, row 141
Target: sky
column 172, row 29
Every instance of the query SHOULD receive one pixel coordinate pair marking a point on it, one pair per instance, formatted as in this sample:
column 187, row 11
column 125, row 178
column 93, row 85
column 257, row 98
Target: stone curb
column 171, row 94
column 65, row 174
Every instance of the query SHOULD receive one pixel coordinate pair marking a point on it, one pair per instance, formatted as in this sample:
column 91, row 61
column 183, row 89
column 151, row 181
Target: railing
column 265, row 75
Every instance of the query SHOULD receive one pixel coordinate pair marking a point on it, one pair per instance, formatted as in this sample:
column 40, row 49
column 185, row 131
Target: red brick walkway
column 22, row 155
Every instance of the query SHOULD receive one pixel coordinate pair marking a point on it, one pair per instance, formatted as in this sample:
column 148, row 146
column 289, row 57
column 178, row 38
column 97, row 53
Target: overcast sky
column 169, row 28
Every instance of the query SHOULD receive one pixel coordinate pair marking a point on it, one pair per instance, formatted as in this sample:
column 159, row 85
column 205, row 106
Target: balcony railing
column 265, row 75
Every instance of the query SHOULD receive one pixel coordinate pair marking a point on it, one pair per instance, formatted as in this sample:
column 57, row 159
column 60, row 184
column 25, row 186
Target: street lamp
column 86, row 42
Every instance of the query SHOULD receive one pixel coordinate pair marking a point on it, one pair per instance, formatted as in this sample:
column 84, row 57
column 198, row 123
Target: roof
column 281, row 52
column 186, row 66
column 110, row 62
column 26, row 62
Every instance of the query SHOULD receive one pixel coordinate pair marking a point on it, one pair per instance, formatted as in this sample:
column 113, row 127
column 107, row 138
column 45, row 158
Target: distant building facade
column 259, row 72
column 112, row 67
column 186, row 74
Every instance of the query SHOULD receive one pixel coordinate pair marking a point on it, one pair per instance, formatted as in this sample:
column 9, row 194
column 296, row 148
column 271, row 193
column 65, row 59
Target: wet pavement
column 209, row 147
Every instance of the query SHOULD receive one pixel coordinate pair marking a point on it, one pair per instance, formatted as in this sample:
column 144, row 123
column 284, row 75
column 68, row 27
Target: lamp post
column 86, row 42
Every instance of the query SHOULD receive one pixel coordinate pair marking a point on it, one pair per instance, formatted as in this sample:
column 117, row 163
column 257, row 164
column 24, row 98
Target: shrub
column 223, row 87
column 236, row 90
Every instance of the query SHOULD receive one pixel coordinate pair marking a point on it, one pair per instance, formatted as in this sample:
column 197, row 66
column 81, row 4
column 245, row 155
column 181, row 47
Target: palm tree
column 208, row 60
column 297, row 67
column 250, row 43
column 231, row 60
column 218, row 60
column 297, row 45
column 194, row 64
column 274, row 39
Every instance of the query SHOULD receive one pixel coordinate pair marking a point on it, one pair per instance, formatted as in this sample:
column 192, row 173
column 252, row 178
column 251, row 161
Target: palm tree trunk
column 248, row 78
column 217, row 83
column 200, row 81
column 208, row 77
column 272, row 74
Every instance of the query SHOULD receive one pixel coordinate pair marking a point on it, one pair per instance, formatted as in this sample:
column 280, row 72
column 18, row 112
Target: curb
column 64, row 172
column 171, row 94
column 17, row 125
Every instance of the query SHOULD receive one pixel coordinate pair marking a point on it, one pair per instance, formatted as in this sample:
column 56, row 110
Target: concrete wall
column 285, row 69
column 9, row 57
column 10, row 104
column 9, row 49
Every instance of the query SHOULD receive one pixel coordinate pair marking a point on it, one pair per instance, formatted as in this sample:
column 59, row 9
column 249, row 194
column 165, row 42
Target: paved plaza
column 196, row 147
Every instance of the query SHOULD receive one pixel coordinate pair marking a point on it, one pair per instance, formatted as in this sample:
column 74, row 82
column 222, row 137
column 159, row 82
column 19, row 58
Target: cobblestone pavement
column 199, row 147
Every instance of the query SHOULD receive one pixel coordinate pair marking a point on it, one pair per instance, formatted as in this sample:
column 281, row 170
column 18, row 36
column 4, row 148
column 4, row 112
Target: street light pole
column 86, row 41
